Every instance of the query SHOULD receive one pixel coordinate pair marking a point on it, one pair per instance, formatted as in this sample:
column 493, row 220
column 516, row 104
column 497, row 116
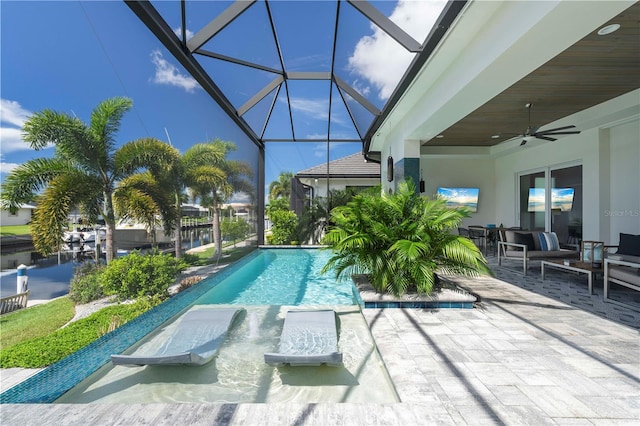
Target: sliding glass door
column 558, row 210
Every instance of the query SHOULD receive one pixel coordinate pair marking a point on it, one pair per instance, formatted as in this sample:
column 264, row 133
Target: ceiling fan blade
column 574, row 132
column 557, row 128
column 546, row 138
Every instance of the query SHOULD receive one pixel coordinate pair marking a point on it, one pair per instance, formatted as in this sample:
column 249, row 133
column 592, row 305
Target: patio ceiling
column 283, row 70
column 594, row 70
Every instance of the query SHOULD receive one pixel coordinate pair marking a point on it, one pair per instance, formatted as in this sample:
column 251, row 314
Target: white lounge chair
column 308, row 338
column 195, row 341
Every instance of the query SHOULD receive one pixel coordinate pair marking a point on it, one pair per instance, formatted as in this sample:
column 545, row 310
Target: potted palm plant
column 400, row 241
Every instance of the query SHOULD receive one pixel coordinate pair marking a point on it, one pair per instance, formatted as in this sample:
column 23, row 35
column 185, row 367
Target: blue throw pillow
column 548, row 241
column 629, row 245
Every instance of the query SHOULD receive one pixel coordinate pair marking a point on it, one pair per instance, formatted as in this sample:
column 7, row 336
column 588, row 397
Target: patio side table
column 579, row 267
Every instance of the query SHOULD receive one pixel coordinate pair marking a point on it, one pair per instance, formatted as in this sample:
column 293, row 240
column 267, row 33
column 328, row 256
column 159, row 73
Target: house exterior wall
column 22, row 217
column 320, row 187
column 464, row 172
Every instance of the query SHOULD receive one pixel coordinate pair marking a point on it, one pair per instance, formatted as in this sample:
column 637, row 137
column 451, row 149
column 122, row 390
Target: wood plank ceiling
column 594, row 70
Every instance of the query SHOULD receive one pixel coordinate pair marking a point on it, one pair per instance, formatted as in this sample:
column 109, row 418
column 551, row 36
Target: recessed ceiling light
column 608, row 29
column 495, row 136
column 439, row 136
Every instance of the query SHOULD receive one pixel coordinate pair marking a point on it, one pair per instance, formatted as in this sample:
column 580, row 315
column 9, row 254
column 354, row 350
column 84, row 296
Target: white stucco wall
column 320, row 186
column 22, row 217
column 464, row 172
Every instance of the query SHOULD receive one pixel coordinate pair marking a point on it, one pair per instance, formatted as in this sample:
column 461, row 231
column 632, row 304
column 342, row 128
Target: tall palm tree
column 83, row 171
column 281, row 188
column 158, row 191
column 214, row 178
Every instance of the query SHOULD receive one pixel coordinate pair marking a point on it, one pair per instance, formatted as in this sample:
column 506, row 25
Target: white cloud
column 12, row 113
column 12, row 118
column 167, row 73
column 380, row 59
column 6, row 168
column 315, row 108
column 178, row 32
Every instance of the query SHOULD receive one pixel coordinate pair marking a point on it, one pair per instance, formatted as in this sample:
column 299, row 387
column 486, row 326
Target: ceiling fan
column 533, row 132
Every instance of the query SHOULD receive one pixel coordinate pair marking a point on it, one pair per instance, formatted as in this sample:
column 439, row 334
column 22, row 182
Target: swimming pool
column 239, row 373
column 282, row 277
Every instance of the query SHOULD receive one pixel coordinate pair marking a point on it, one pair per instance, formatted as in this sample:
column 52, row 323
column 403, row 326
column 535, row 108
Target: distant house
column 351, row 172
column 21, row 217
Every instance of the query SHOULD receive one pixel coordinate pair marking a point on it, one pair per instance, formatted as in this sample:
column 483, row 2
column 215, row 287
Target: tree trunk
column 178, row 231
column 110, row 222
column 217, row 235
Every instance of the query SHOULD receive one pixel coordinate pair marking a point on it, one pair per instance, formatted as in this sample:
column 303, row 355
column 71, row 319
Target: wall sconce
column 390, row 169
column 421, row 183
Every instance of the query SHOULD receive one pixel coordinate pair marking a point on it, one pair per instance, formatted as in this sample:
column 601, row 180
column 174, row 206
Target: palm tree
column 83, row 171
column 281, row 188
column 400, row 241
column 156, row 192
column 214, row 178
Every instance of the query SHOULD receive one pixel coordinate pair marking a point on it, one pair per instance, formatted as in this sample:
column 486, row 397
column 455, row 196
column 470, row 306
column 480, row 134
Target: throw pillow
column 548, row 241
column 629, row 245
column 526, row 239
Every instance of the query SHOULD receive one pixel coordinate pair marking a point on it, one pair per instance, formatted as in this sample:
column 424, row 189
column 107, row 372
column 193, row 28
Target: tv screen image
column 460, row 197
column 561, row 199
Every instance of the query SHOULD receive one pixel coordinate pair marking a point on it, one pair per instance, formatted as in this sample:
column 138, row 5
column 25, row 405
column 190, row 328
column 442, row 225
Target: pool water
column 266, row 284
column 239, row 374
column 282, row 277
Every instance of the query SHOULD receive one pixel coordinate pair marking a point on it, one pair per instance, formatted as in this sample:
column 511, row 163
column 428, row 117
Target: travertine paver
column 523, row 358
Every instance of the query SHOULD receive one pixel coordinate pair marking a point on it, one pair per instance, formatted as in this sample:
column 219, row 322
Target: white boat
column 130, row 235
column 83, row 235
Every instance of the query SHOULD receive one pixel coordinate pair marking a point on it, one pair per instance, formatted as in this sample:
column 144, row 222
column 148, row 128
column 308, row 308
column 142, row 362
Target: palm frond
column 22, row 184
column 105, row 122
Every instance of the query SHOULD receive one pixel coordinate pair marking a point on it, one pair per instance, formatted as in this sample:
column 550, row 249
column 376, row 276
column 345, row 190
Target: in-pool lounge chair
column 308, row 338
column 196, row 339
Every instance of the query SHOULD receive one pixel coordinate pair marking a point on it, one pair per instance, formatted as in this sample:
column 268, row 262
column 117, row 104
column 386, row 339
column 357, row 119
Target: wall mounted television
column 460, row 197
column 561, row 199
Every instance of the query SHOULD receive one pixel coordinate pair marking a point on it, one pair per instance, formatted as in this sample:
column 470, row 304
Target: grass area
column 12, row 230
column 45, row 350
column 34, row 322
column 206, row 257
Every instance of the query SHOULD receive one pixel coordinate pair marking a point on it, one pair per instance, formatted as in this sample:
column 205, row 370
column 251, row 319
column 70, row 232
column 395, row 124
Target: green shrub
column 190, row 258
column 137, row 275
column 85, row 284
column 284, row 226
column 43, row 351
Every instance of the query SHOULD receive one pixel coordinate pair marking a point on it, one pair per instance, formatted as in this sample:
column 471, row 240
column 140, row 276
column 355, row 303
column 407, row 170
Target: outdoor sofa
column 525, row 246
column 623, row 267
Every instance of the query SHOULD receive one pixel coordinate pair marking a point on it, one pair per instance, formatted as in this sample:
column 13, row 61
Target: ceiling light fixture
column 439, row 136
column 495, row 136
column 608, row 29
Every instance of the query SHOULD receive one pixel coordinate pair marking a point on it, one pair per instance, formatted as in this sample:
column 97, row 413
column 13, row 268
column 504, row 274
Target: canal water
column 49, row 277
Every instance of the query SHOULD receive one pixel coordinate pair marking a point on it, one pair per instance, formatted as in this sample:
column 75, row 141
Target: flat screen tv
column 460, row 197
column 561, row 199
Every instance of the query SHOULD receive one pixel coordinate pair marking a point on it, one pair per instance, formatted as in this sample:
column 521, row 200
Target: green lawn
column 36, row 321
column 12, row 230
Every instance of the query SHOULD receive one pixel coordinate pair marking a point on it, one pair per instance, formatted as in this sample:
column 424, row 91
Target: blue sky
column 69, row 56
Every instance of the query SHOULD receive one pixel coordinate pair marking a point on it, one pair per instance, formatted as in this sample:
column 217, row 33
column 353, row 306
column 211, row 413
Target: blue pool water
column 282, row 277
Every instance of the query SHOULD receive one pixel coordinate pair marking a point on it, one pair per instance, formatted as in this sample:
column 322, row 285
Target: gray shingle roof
column 352, row 166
